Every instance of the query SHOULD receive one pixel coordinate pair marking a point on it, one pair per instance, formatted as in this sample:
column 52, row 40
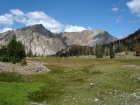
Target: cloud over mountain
column 6, row 20
column 71, row 28
column 16, row 12
column 5, row 29
column 36, row 17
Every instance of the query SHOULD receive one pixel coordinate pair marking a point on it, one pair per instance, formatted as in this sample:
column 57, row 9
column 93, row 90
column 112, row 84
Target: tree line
column 77, row 50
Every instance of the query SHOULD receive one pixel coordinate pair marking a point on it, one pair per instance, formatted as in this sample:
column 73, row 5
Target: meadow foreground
column 74, row 81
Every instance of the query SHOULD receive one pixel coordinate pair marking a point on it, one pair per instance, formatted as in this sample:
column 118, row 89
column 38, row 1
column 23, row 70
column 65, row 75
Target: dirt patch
column 30, row 68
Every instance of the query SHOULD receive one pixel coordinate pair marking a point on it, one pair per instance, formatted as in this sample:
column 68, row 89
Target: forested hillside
column 126, row 44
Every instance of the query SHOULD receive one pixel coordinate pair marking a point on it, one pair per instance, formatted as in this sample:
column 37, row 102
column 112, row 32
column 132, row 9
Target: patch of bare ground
column 30, row 68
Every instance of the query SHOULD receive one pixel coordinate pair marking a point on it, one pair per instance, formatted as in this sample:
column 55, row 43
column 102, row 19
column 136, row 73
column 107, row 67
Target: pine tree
column 3, row 51
column 112, row 54
column 15, row 50
column 99, row 51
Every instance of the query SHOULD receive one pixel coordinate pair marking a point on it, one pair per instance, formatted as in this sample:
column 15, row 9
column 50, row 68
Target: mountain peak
column 99, row 30
column 34, row 27
column 37, row 28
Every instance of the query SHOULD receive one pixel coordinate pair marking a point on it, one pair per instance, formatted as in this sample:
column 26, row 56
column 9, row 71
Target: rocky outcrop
column 87, row 38
column 36, row 38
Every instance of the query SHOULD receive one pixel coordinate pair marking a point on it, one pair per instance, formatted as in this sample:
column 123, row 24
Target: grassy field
column 68, row 83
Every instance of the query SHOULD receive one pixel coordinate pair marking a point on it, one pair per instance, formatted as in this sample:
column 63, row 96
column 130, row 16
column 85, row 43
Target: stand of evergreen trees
column 14, row 52
column 99, row 51
column 126, row 44
column 75, row 50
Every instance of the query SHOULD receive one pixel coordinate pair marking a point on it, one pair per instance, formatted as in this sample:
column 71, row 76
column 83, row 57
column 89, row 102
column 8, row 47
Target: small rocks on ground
column 30, row 68
column 91, row 85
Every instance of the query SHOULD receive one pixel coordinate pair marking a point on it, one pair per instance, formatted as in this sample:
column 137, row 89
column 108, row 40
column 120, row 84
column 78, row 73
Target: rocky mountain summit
column 87, row 38
column 42, row 42
column 36, row 38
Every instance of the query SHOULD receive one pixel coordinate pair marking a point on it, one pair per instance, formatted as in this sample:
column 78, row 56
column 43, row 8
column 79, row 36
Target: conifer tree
column 15, row 51
column 99, row 51
column 112, row 54
column 3, row 51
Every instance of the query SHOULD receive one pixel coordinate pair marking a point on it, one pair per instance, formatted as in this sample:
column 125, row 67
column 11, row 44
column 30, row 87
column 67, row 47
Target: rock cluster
column 30, row 68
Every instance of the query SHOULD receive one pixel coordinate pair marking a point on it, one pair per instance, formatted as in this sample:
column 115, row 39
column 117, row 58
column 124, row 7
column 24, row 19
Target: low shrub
column 4, row 58
column 23, row 62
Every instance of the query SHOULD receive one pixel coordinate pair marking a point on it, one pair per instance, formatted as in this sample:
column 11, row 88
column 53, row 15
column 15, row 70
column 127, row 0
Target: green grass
column 68, row 83
column 12, row 93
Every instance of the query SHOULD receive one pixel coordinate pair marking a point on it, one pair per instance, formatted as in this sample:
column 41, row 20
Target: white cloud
column 89, row 28
column 115, row 9
column 71, row 28
column 18, row 15
column 9, row 16
column 20, row 19
column 42, row 18
column 5, row 29
column 37, row 17
column 134, row 7
column 119, row 19
column 16, row 12
column 6, row 20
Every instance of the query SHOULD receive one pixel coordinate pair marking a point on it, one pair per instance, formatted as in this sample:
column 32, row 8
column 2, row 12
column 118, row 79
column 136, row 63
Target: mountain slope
column 42, row 42
column 35, row 38
column 126, row 44
column 87, row 38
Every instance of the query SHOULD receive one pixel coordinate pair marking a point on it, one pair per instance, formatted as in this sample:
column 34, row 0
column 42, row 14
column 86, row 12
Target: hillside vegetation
column 123, row 45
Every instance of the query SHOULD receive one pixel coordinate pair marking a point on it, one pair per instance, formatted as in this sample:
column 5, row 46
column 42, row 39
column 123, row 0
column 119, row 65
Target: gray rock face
column 42, row 42
column 35, row 38
column 87, row 38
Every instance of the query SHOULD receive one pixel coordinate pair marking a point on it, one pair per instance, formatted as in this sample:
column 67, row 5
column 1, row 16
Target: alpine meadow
column 70, row 52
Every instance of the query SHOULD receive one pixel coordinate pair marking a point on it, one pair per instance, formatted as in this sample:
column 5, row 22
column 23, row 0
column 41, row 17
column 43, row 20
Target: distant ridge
column 87, row 38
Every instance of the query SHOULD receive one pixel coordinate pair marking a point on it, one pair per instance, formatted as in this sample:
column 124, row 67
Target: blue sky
column 119, row 17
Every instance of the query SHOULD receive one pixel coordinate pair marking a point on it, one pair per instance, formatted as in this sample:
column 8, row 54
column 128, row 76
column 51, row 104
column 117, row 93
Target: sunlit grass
column 68, row 82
